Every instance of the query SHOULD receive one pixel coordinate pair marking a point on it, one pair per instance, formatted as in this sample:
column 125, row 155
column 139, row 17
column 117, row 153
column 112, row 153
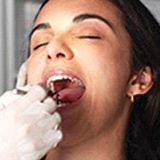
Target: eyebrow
column 83, row 17
column 39, row 27
column 77, row 19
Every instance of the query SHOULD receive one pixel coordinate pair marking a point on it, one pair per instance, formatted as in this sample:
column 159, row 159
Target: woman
column 102, row 57
column 100, row 61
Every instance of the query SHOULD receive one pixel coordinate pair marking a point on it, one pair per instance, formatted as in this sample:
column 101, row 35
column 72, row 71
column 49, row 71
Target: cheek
column 34, row 70
column 107, row 70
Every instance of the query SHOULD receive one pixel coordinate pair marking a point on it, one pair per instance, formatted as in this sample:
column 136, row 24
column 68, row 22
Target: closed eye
column 90, row 37
column 40, row 45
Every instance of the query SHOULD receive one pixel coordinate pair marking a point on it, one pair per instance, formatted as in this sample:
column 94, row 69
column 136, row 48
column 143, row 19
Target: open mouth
column 65, row 89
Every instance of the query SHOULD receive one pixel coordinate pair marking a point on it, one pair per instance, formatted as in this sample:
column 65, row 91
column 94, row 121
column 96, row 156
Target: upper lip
column 58, row 73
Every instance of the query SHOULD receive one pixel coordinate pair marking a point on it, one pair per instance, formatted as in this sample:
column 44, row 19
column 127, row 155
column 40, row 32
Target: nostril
column 60, row 55
column 49, row 57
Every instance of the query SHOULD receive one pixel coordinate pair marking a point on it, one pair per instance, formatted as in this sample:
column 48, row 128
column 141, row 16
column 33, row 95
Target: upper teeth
column 61, row 77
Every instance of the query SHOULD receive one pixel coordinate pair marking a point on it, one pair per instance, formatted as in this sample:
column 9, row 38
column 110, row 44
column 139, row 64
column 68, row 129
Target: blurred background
column 16, row 17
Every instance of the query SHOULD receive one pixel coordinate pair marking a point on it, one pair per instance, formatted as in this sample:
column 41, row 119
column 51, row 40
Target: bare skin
column 97, row 51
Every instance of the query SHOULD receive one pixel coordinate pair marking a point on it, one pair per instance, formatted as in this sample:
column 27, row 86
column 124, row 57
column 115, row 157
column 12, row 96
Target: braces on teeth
column 50, row 85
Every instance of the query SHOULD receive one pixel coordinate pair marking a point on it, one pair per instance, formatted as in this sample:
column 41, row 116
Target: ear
column 141, row 82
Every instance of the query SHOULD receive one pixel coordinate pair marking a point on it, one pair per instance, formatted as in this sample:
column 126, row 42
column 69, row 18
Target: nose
column 58, row 49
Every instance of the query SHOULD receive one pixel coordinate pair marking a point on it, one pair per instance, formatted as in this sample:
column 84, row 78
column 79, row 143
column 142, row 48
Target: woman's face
column 85, row 43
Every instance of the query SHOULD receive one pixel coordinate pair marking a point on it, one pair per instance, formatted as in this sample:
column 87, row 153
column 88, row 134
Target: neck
column 108, row 144
column 97, row 148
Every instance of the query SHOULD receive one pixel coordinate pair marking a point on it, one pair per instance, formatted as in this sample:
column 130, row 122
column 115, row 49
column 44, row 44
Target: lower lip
column 67, row 107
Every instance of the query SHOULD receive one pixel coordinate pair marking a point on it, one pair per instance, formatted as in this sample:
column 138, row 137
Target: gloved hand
column 29, row 125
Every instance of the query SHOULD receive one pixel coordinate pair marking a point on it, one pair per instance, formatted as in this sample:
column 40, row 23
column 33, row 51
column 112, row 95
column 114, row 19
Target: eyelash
column 81, row 37
column 90, row 37
column 40, row 45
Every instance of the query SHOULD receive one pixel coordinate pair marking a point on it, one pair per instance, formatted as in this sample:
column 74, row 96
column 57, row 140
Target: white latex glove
column 28, row 124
